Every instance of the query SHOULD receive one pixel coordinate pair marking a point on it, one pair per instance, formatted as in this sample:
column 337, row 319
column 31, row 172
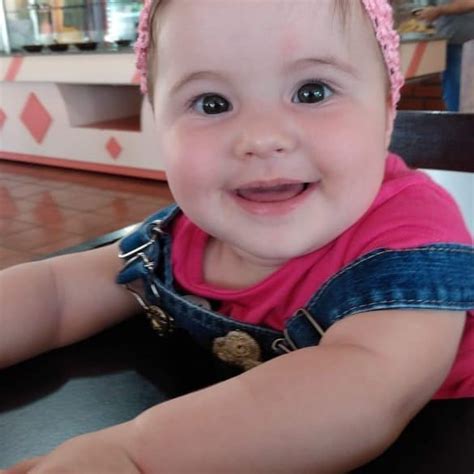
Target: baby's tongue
column 277, row 193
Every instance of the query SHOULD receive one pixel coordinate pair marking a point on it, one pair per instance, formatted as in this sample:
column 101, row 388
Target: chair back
column 435, row 140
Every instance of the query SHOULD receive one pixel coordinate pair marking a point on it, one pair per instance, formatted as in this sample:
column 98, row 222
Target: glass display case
column 122, row 20
column 35, row 26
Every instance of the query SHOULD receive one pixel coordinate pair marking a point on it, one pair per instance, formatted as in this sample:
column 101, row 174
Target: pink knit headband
column 379, row 11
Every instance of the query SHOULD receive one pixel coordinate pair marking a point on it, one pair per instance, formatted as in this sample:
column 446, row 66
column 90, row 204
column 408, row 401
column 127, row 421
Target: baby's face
column 272, row 120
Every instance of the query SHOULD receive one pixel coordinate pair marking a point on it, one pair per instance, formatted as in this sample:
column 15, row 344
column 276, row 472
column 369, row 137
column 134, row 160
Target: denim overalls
column 439, row 276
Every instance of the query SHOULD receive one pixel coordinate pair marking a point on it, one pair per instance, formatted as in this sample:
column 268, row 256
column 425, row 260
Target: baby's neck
column 228, row 268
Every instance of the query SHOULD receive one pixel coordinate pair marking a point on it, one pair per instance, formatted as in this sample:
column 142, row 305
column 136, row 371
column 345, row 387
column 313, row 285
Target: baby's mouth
column 267, row 193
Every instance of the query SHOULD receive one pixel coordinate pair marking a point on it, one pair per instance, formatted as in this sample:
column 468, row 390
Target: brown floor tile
column 145, row 208
column 5, row 190
column 104, row 229
column 84, row 222
column 25, row 190
column 9, row 183
column 15, row 176
column 59, row 245
column 50, row 183
column 47, row 216
column 118, row 208
column 134, row 209
column 87, row 202
column 11, row 226
column 9, row 257
column 44, row 209
column 40, row 200
column 8, row 208
column 62, row 195
column 31, row 239
column 88, row 189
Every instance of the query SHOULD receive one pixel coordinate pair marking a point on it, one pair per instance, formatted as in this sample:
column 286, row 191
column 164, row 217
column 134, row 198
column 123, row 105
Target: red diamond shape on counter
column 3, row 117
column 36, row 118
column 114, row 148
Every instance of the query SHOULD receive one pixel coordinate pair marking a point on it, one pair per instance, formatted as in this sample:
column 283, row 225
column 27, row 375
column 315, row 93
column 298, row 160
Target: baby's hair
column 341, row 7
column 379, row 12
column 151, row 56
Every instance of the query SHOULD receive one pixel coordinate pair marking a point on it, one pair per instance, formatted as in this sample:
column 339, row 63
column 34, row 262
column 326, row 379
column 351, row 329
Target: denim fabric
column 430, row 277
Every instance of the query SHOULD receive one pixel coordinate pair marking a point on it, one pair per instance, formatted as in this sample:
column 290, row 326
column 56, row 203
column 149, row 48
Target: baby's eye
column 312, row 93
column 211, row 104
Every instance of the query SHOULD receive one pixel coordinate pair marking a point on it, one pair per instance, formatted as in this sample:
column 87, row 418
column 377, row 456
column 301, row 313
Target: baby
column 273, row 118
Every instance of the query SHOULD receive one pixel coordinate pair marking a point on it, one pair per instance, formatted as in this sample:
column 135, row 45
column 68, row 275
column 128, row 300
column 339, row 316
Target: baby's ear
column 389, row 121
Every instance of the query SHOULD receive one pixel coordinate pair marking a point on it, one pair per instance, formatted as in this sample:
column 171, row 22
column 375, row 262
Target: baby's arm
column 55, row 302
column 323, row 409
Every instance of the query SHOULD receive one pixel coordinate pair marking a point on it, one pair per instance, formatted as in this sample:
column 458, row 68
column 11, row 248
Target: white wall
column 461, row 187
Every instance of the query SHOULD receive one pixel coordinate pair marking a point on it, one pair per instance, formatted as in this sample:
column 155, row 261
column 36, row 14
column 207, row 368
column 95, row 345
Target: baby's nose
column 265, row 140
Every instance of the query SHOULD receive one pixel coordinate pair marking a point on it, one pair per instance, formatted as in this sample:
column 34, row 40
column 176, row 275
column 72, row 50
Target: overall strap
column 147, row 273
column 439, row 276
column 436, row 276
column 142, row 248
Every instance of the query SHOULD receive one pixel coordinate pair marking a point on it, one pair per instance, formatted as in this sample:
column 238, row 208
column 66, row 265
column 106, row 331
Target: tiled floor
column 44, row 209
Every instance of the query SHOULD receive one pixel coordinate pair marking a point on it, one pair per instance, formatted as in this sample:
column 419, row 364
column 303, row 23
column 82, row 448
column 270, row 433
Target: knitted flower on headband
column 381, row 15
column 142, row 43
column 379, row 11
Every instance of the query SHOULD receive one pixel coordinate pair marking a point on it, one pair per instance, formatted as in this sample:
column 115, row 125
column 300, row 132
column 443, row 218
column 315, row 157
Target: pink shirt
column 409, row 210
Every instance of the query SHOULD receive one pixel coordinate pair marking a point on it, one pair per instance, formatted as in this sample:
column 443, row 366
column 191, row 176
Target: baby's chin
column 275, row 253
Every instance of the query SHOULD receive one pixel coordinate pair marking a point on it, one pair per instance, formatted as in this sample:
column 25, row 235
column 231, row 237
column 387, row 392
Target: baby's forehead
column 285, row 26
column 339, row 18
column 342, row 17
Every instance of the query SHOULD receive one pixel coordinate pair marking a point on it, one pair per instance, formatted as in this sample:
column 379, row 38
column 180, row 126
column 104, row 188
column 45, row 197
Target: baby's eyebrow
column 195, row 76
column 331, row 61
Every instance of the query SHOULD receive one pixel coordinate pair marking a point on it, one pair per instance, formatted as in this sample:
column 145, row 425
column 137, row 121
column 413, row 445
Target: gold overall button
column 238, row 348
column 160, row 321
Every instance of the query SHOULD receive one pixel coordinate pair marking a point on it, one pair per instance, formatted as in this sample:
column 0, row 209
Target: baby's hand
column 102, row 452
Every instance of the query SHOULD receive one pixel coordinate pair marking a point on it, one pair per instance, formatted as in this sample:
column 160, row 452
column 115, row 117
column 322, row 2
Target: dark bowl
column 87, row 46
column 58, row 47
column 33, row 48
column 123, row 43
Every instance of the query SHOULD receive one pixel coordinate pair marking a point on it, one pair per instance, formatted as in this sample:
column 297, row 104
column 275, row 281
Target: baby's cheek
column 183, row 176
column 344, row 141
column 188, row 169
column 180, row 150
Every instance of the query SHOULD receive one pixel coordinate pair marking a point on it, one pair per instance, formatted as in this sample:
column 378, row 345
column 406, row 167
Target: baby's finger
column 22, row 467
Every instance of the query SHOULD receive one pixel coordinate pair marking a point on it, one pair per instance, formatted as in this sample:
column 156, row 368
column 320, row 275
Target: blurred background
column 88, row 23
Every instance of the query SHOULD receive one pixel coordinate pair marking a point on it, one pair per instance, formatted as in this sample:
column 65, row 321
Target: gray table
column 118, row 374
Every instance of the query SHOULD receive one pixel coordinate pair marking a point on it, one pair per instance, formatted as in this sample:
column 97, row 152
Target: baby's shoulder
column 410, row 210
